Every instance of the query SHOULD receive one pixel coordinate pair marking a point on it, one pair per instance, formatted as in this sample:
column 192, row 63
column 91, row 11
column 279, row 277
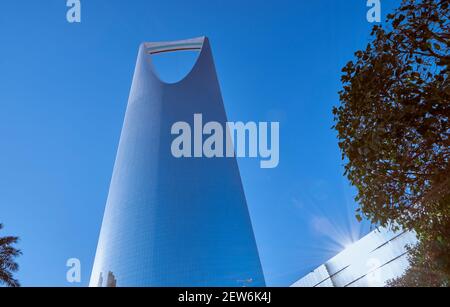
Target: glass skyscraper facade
column 174, row 221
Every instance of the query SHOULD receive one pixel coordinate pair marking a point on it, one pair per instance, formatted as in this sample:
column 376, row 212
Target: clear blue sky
column 63, row 94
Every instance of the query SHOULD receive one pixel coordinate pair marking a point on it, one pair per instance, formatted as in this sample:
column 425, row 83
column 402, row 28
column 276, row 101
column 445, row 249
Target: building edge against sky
column 168, row 221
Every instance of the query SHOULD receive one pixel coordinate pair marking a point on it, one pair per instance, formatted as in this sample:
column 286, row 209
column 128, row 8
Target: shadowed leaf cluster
column 393, row 126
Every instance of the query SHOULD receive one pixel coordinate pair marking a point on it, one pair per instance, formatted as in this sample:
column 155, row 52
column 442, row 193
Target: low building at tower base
column 380, row 256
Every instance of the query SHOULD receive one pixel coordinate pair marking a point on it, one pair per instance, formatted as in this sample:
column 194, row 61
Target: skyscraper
column 169, row 221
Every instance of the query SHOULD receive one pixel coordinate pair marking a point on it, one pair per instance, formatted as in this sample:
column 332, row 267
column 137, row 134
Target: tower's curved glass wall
column 169, row 221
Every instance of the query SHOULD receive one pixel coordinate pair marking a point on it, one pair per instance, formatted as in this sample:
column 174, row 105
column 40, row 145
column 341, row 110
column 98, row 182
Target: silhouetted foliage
column 8, row 266
column 393, row 128
column 424, row 271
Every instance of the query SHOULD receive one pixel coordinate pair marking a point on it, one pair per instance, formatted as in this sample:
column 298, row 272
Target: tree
column 7, row 264
column 423, row 270
column 393, row 126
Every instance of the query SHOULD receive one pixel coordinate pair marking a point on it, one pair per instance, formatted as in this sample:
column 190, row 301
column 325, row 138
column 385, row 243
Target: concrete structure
column 371, row 262
column 169, row 221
